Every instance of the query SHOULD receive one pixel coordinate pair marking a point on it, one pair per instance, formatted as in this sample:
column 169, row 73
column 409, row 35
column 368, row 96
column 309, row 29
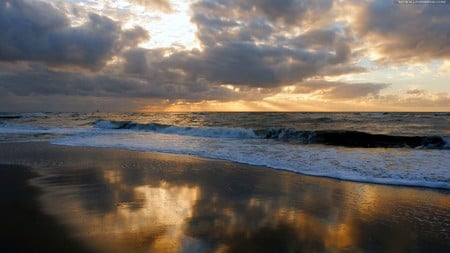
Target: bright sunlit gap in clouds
column 173, row 29
column 169, row 25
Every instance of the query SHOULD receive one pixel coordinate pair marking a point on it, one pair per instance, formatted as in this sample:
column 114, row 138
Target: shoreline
column 112, row 200
column 393, row 182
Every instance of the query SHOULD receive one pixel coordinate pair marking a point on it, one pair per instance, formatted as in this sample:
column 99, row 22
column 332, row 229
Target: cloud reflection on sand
column 153, row 221
column 123, row 201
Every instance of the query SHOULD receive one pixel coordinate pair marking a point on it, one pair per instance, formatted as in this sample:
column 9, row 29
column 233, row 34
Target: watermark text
column 422, row 2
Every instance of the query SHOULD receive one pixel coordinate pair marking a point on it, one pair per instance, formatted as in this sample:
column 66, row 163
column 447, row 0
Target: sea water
column 388, row 148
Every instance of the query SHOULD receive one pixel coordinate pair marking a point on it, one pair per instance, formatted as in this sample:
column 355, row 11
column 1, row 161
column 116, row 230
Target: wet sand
column 24, row 227
column 107, row 200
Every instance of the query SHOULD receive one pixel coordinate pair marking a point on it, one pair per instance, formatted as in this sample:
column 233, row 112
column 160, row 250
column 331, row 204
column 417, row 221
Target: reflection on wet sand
column 121, row 201
column 151, row 220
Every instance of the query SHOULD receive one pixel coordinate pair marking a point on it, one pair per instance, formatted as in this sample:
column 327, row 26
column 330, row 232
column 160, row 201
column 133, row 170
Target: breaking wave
column 344, row 138
column 213, row 132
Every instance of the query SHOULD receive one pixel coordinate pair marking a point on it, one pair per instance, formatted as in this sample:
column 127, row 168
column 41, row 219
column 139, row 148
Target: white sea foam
column 215, row 132
column 396, row 166
column 413, row 167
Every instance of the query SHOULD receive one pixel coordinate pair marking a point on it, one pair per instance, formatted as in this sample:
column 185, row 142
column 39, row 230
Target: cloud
column 38, row 80
column 245, row 51
column 162, row 5
column 65, row 103
column 339, row 90
column 445, row 67
column 249, row 50
column 258, row 20
column 36, row 31
column 428, row 101
column 357, row 90
column 132, row 37
column 416, row 92
column 405, row 33
column 291, row 12
column 285, row 14
column 237, row 63
column 250, row 43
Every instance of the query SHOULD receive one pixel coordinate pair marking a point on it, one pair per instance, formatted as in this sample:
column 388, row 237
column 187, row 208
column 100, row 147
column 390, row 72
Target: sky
column 224, row 55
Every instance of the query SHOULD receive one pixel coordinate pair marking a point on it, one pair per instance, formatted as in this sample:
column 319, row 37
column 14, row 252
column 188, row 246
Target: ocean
column 411, row 149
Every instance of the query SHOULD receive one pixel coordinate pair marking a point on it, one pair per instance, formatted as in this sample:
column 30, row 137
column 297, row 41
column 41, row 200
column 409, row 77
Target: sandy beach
column 60, row 198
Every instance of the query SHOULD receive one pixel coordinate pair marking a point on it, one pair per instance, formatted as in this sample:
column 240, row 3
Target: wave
column 10, row 116
column 354, row 139
column 422, row 167
column 343, row 138
column 213, row 132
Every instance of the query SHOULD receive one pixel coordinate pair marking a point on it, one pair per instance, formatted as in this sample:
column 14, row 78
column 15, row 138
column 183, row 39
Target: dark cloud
column 162, row 5
column 132, row 37
column 255, row 20
column 403, row 33
column 36, row 31
column 282, row 13
column 44, row 82
column 291, row 12
column 235, row 63
column 136, row 61
column 316, row 39
column 63, row 103
column 248, row 43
